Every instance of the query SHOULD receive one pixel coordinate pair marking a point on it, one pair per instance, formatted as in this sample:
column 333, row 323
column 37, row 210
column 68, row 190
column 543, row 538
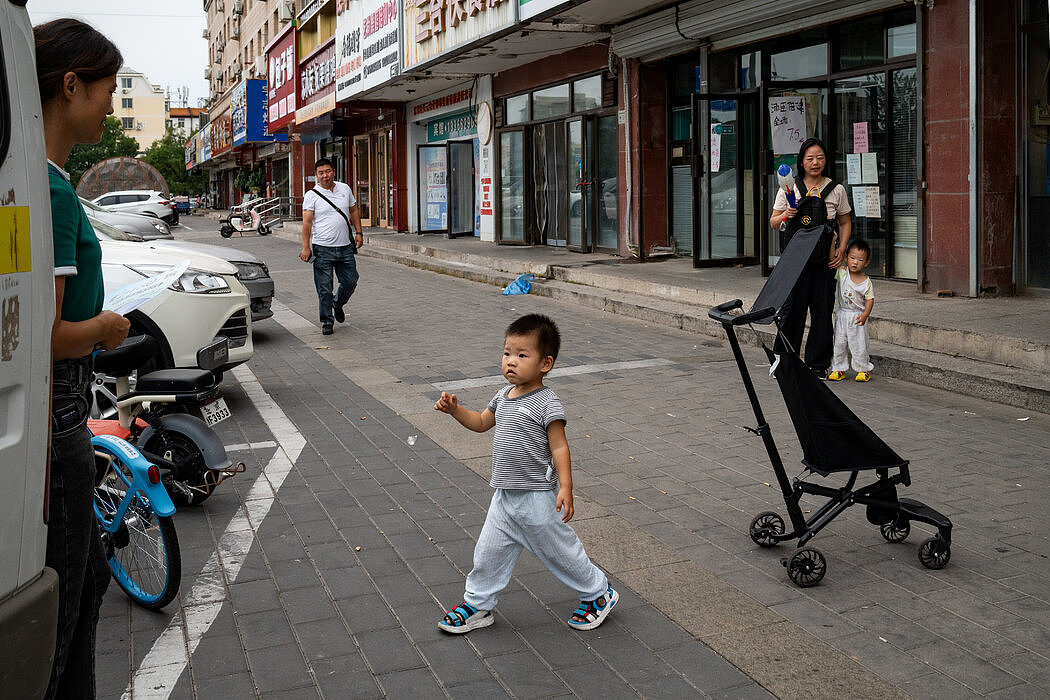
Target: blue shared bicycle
column 134, row 518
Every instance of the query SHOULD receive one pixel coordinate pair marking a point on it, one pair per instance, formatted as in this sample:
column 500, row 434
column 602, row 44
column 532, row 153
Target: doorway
column 446, row 179
column 726, row 229
column 363, row 178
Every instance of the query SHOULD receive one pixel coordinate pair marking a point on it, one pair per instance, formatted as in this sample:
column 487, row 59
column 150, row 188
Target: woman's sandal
column 592, row 613
column 464, row 618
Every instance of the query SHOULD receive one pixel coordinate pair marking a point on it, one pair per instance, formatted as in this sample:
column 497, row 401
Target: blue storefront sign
column 249, row 114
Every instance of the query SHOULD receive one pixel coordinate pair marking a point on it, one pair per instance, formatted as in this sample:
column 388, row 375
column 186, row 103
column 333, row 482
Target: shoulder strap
column 829, row 188
column 341, row 212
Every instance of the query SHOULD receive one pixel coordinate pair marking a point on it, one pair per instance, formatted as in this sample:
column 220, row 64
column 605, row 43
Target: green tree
column 114, row 143
column 168, row 155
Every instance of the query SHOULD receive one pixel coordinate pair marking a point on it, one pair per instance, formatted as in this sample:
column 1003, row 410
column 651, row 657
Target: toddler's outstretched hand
column 447, row 403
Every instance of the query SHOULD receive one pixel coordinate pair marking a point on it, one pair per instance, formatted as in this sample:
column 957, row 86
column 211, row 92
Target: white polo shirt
column 330, row 229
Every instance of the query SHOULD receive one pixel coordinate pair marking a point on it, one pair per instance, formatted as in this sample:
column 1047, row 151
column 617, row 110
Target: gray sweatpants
column 517, row 520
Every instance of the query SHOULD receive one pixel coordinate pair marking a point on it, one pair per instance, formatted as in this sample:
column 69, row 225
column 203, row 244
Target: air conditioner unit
column 286, row 10
column 207, row 73
column 235, row 32
column 219, row 6
column 138, row 127
column 236, row 67
column 207, row 34
column 260, row 66
column 238, row 7
column 125, row 90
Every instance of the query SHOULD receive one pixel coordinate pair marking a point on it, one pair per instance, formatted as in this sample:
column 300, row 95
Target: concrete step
column 686, row 308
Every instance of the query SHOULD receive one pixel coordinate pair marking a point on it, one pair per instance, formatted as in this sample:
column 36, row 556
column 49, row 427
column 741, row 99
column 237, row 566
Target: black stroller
column 833, row 439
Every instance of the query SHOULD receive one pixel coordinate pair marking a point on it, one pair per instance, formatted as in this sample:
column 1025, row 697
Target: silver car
column 148, row 202
column 251, row 271
column 146, row 228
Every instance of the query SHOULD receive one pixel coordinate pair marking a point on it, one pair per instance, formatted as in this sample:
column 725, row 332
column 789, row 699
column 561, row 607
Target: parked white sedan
column 205, row 302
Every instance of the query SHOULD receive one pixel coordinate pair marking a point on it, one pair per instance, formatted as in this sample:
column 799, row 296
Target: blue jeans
column 341, row 260
column 74, row 548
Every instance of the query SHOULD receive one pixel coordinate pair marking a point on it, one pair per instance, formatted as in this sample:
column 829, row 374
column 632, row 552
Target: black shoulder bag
column 353, row 241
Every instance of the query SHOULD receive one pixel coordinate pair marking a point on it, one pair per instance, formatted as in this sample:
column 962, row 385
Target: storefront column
column 400, row 154
column 646, row 140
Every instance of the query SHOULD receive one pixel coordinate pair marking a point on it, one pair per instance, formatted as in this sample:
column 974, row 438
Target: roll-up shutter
column 722, row 24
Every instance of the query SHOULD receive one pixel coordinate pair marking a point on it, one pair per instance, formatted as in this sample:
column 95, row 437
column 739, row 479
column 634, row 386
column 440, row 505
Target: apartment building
column 141, row 107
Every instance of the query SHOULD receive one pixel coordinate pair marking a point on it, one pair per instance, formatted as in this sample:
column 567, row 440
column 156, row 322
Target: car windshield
column 105, row 231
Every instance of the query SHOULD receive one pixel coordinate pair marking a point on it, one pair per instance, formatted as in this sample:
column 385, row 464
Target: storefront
column 224, row 168
column 736, row 115
column 558, row 147
column 368, row 56
column 444, row 137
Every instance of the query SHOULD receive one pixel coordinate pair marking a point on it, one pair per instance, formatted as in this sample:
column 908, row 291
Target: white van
column 28, row 590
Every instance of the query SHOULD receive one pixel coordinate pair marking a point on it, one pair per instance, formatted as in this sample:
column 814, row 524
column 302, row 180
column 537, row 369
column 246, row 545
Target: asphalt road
column 323, row 569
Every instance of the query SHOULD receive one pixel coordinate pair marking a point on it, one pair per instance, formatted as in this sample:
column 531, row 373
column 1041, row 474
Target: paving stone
column 388, row 650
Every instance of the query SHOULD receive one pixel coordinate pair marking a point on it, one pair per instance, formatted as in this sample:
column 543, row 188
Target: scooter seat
column 175, row 381
column 134, row 352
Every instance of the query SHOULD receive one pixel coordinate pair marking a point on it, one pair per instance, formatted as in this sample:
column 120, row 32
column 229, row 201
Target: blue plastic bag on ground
column 521, row 285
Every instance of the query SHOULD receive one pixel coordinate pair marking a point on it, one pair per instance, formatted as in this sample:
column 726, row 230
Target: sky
column 159, row 39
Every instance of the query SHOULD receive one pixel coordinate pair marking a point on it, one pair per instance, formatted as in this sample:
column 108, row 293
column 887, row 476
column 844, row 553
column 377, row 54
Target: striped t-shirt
column 521, row 452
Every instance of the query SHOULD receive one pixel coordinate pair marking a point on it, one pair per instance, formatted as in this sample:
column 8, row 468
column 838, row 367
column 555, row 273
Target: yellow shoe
column 837, row 376
column 863, row 377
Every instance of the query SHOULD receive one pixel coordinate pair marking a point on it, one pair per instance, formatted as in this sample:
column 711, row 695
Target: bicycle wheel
column 142, row 549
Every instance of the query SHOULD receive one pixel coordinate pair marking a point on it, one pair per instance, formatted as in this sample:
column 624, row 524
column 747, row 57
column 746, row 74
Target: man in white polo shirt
column 331, row 236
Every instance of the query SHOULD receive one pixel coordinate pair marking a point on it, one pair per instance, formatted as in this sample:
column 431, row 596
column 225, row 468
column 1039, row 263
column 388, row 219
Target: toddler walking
column 532, row 475
column 856, row 298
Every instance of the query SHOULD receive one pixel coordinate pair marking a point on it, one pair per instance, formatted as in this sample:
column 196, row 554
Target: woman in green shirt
column 77, row 73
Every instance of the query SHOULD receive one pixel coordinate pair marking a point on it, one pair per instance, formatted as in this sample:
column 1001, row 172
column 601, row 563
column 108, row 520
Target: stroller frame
column 807, row 565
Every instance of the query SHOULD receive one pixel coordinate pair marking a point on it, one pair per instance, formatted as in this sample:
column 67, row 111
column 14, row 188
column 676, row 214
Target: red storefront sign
column 282, row 78
column 317, row 83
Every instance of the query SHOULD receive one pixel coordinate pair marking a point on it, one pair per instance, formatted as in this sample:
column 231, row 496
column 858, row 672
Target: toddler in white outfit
column 856, row 298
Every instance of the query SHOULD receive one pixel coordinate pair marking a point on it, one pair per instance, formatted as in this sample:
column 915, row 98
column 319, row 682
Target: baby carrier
column 812, row 216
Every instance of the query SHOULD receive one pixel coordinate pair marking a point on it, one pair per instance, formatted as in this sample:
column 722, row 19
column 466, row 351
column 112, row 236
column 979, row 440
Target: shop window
column 512, row 186
column 683, row 79
column 681, row 123
column 900, row 41
column 517, row 110
column 587, row 93
column 798, row 64
column 750, row 70
column 723, row 72
column 860, row 44
column 550, row 102
column 903, row 187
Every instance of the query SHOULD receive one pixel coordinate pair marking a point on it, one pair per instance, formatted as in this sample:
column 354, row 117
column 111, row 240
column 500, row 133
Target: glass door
column 362, row 177
column 460, row 188
column 381, row 213
column 580, row 184
column 432, row 173
column 550, row 188
column 606, row 189
column 726, row 229
column 511, row 200
column 791, row 113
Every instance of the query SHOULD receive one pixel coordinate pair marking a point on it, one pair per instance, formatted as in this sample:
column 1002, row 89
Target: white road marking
column 186, row 227
column 556, row 372
column 245, row 446
column 167, row 659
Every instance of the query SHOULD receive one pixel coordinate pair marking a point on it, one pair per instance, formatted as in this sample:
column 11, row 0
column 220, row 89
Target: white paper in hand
column 134, row 295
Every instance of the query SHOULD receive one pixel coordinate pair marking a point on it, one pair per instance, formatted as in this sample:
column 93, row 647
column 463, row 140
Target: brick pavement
column 666, row 484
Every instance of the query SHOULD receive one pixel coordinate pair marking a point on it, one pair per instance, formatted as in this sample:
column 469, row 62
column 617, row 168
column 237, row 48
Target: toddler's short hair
column 860, row 245
column 548, row 339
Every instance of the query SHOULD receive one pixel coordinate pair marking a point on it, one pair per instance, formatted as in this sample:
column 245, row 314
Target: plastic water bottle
column 786, row 181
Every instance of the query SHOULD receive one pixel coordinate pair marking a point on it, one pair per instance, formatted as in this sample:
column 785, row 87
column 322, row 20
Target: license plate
column 215, row 412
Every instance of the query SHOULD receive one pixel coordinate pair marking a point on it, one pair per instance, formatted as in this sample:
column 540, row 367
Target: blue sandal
column 594, row 612
column 464, row 618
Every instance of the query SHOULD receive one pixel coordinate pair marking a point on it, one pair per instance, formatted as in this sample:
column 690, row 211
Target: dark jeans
column 340, row 259
column 74, row 548
column 814, row 293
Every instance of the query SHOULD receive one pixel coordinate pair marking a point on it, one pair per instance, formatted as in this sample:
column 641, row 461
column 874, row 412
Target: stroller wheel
column 935, row 553
column 765, row 527
column 807, row 567
column 896, row 530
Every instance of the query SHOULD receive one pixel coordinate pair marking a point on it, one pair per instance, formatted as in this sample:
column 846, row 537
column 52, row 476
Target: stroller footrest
column 914, row 510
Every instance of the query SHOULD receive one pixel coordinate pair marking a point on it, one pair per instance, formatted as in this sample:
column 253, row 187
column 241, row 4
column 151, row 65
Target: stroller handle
column 721, row 313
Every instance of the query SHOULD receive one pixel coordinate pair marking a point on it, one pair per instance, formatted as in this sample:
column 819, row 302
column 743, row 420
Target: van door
column 28, row 590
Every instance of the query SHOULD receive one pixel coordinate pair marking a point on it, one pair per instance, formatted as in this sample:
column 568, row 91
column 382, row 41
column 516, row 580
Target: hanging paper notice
column 869, row 167
column 860, row 137
column 128, row 298
column 787, row 123
column 860, row 201
column 716, row 147
column 872, row 206
column 853, row 169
